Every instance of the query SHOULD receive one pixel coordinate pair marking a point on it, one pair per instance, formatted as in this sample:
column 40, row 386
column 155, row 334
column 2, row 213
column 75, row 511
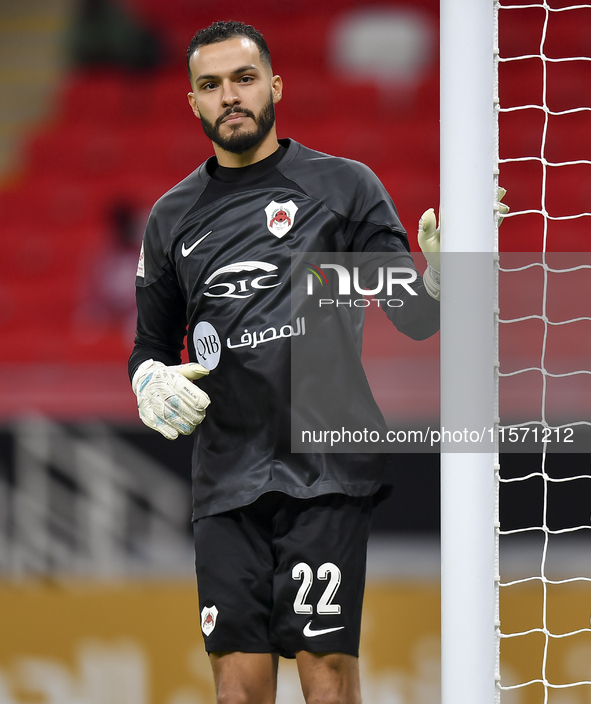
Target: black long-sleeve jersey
column 215, row 265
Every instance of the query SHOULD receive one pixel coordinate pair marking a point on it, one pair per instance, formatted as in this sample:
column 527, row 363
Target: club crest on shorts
column 280, row 217
column 209, row 616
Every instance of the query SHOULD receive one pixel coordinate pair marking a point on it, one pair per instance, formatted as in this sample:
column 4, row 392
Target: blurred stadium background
column 97, row 596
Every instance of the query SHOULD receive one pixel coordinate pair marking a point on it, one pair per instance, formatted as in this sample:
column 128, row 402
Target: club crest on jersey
column 280, row 217
column 209, row 616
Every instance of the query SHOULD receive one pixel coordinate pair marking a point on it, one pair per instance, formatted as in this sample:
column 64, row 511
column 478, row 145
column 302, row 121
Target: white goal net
column 544, row 332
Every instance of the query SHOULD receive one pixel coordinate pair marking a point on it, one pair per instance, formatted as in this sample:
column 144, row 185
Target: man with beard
column 280, row 537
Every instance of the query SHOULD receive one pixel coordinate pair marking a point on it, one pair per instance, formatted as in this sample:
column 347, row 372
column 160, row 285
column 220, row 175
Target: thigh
column 321, row 547
column 250, row 678
column 329, row 677
column 234, row 565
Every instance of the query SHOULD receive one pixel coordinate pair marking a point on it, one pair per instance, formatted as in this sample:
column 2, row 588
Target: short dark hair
column 220, row 31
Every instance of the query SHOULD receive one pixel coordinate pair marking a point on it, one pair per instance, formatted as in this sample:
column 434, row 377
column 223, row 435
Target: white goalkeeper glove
column 430, row 245
column 167, row 401
column 503, row 209
column 429, row 242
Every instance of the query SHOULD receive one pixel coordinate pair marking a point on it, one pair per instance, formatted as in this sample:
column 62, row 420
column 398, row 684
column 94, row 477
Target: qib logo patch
column 209, row 615
column 207, row 345
column 280, row 217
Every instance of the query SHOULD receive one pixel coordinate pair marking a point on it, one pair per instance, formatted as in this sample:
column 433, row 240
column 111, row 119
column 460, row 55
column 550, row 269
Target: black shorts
column 284, row 574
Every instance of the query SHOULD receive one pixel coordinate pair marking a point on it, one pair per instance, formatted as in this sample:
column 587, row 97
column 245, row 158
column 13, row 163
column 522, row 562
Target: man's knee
column 237, row 696
column 234, row 696
column 330, row 698
column 333, row 695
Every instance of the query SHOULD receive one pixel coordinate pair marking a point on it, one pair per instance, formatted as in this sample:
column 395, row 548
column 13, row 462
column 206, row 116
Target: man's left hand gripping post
column 429, row 242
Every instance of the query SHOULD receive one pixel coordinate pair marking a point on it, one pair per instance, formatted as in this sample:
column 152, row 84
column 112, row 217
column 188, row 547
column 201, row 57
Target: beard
column 240, row 140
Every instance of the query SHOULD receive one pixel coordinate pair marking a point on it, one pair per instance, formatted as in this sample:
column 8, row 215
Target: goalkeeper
column 280, row 537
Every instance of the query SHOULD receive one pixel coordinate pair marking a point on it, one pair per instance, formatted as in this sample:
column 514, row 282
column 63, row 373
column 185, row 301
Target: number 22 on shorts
column 328, row 570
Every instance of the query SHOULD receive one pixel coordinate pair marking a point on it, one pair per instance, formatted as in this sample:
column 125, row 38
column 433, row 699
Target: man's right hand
column 167, row 400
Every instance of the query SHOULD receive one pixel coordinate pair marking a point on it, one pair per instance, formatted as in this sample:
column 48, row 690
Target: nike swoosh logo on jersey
column 185, row 251
column 310, row 633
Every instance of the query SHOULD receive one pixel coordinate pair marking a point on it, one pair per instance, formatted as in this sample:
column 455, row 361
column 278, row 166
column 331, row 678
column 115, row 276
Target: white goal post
column 468, row 197
column 470, row 481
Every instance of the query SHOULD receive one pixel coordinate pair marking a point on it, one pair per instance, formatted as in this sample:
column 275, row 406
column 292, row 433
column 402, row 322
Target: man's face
column 234, row 94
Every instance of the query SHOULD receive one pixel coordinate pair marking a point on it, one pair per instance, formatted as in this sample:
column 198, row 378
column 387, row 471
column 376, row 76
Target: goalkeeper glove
column 429, row 242
column 167, row 401
column 503, row 209
column 430, row 245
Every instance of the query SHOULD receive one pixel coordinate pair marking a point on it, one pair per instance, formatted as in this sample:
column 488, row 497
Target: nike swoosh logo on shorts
column 310, row 633
column 185, row 251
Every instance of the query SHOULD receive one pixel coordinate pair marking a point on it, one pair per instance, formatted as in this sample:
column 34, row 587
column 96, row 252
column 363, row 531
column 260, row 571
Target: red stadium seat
column 520, row 31
column 568, row 137
column 94, row 96
column 569, row 84
column 568, row 33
